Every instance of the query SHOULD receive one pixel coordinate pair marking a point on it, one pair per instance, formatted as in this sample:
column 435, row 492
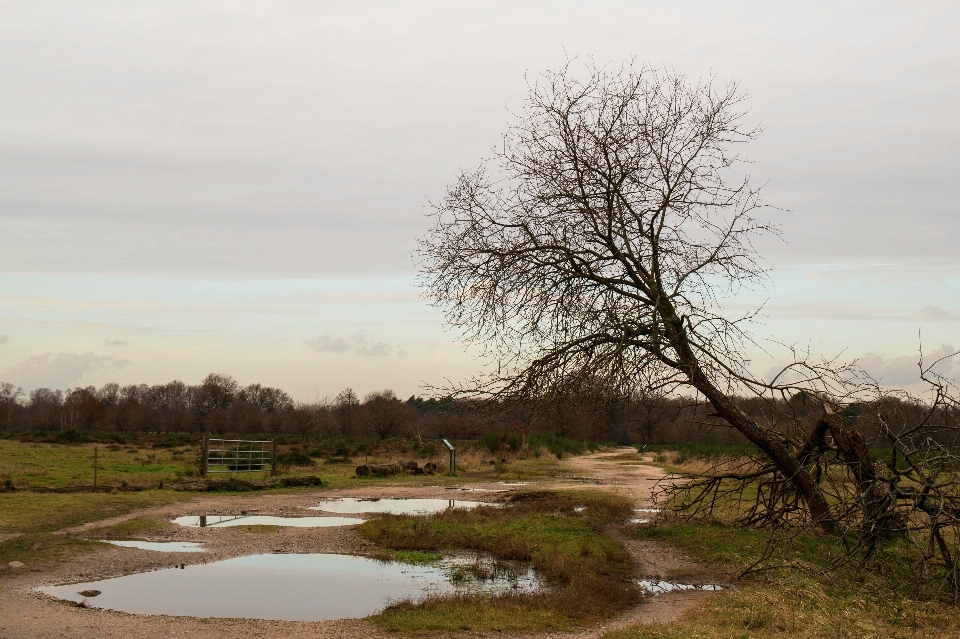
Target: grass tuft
column 559, row 533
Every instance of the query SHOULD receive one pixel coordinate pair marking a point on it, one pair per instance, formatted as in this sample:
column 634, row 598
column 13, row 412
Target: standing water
column 312, row 587
column 161, row 546
column 222, row 521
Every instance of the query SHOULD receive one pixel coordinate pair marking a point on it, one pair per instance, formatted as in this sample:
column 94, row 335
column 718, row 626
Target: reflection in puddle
column 162, row 546
column 313, row 587
column 640, row 520
column 658, row 586
column 221, row 521
column 394, row 506
column 646, row 510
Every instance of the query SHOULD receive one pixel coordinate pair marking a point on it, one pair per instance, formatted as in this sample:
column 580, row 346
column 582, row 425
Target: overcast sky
column 204, row 187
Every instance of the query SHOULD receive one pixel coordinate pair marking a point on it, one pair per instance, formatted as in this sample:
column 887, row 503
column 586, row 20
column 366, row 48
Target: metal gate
column 237, row 456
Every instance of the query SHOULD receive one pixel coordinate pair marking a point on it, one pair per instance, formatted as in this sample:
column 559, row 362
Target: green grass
column 47, row 512
column 130, row 528
column 414, row 557
column 586, row 568
column 56, row 465
column 38, row 550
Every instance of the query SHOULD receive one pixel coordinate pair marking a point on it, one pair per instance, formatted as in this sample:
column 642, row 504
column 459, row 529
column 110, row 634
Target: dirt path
column 25, row 614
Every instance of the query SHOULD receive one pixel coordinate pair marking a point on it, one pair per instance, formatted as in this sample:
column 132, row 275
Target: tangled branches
column 889, row 469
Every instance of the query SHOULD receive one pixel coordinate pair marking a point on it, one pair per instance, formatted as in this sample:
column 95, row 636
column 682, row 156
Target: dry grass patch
column 799, row 600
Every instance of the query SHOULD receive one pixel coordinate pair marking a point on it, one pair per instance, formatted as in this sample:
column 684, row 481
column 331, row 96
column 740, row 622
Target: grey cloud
column 4, row 339
column 115, row 342
column 327, row 344
column 61, row 370
column 937, row 314
column 369, row 348
column 358, row 343
column 106, row 167
column 905, row 370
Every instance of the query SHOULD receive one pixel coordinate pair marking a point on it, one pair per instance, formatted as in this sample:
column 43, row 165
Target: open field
column 584, row 552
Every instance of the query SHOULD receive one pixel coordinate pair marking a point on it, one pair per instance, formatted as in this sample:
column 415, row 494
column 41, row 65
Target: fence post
column 204, row 451
column 273, row 459
column 94, row 466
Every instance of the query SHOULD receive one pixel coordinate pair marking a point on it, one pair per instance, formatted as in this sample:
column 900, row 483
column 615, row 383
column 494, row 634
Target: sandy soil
column 27, row 614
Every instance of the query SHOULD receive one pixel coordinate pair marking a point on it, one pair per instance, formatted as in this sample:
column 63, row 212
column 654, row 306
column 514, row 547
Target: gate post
column 273, row 459
column 204, row 452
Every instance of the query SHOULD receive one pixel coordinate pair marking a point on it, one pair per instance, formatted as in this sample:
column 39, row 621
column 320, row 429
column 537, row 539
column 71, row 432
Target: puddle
column 647, row 510
column 222, row 521
column 394, row 506
column 161, row 546
column 313, row 587
column 659, row 586
column 640, row 520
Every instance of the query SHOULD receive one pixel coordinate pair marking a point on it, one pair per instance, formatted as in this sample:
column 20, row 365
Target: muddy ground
column 27, row 614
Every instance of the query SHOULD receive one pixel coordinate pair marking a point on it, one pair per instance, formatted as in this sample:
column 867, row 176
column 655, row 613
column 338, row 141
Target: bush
column 295, row 457
column 496, row 440
column 702, row 451
column 561, row 446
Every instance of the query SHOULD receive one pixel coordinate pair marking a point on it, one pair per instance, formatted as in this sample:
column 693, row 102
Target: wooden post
column 273, row 459
column 94, row 466
column 204, row 452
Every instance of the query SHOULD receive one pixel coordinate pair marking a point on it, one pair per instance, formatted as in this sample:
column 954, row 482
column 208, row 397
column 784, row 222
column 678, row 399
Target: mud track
column 25, row 614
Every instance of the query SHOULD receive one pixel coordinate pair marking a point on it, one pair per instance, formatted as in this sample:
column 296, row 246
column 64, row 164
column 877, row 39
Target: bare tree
column 599, row 242
column 386, row 414
column 9, row 394
column 304, row 419
column 346, row 405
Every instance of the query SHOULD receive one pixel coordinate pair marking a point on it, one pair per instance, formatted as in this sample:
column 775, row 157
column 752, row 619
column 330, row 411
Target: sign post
column 453, row 455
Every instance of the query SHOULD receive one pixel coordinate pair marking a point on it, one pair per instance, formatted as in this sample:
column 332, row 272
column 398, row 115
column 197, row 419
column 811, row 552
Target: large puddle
column 312, row 587
column 161, row 546
column 352, row 505
column 222, row 521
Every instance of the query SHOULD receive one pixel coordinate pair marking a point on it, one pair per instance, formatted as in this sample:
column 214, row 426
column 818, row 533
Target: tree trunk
column 762, row 438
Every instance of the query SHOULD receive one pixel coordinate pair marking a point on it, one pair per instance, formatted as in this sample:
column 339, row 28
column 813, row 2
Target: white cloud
column 60, row 371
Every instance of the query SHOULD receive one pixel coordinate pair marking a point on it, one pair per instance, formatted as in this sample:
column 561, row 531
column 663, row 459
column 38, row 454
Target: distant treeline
column 220, row 406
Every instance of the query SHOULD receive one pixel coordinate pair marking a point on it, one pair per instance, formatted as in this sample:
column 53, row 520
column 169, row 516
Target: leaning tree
column 593, row 253
column 596, row 245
